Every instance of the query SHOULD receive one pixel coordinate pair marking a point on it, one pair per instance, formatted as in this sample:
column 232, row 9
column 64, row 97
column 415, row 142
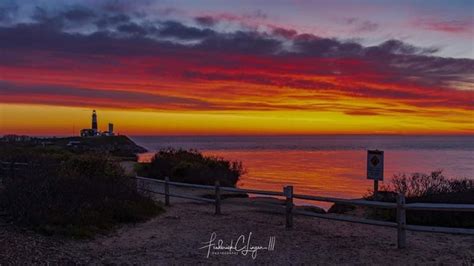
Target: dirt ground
column 179, row 236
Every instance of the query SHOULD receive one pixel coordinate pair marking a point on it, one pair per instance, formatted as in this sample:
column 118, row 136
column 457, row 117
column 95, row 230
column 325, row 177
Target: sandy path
column 176, row 236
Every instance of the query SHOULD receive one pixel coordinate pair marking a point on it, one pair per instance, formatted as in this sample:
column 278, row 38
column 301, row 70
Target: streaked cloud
column 116, row 57
column 450, row 26
column 361, row 25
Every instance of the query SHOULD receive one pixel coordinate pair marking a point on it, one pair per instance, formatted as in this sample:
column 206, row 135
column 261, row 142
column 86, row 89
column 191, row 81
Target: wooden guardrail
column 401, row 207
column 11, row 169
column 12, row 165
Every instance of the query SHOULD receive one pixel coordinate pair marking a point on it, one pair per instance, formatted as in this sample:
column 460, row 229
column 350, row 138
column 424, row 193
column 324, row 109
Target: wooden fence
column 287, row 192
column 11, row 169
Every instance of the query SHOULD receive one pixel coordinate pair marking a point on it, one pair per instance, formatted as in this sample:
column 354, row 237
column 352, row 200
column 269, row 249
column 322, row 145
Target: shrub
column 77, row 196
column 421, row 185
column 192, row 167
column 432, row 188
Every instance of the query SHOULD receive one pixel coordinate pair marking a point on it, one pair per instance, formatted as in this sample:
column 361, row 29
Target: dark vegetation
column 424, row 188
column 63, row 192
column 117, row 146
column 191, row 167
column 432, row 187
column 341, row 208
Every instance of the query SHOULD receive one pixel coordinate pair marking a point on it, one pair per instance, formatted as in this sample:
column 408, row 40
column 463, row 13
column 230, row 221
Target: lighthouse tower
column 94, row 122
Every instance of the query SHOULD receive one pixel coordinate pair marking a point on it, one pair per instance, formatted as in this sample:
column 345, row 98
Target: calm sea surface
column 327, row 165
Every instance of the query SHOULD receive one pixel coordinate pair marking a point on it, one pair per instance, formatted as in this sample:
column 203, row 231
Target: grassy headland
column 74, row 191
column 75, row 186
column 116, row 146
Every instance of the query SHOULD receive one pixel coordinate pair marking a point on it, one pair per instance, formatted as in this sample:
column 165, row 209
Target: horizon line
column 262, row 135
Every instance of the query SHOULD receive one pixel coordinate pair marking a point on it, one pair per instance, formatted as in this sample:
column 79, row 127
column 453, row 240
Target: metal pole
column 288, row 191
column 376, row 189
column 218, row 197
column 401, row 221
column 167, row 191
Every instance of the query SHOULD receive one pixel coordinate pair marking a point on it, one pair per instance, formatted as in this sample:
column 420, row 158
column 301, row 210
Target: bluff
column 119, row 146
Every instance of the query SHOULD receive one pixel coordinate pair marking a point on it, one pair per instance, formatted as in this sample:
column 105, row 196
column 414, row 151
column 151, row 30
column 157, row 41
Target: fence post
column 288, row 191
column 218, row 197
column 167, row 191
column 137, row 183
column 401, row 221
column 12, row 170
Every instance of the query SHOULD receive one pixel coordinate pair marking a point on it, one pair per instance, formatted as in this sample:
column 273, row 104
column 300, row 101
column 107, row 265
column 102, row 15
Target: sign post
column 375, row 168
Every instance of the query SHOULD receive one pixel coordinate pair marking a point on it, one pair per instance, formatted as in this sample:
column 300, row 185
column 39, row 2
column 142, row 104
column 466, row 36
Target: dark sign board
column 375, row 165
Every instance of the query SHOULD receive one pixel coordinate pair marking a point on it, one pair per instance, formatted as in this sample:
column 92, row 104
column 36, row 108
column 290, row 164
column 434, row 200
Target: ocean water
column 327, row 165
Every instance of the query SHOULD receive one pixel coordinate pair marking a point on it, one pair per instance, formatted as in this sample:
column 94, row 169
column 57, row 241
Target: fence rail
column 378, row 204
column 12, row 165
column 11, row 169
column 289, row 210
column 440, row 207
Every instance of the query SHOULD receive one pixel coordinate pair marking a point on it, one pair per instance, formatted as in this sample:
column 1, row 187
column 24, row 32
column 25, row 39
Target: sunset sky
column 237, row 67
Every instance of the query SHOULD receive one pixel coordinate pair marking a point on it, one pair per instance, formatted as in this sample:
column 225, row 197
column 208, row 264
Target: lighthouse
column 94, row 130
column 94, row 122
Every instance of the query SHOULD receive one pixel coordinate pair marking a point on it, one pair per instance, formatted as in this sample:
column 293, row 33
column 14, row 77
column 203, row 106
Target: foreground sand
column 176, row 236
